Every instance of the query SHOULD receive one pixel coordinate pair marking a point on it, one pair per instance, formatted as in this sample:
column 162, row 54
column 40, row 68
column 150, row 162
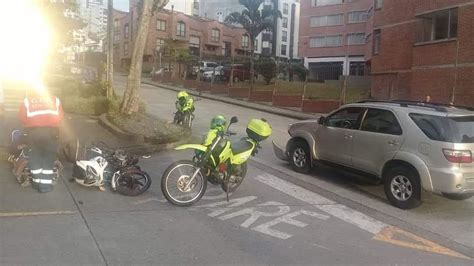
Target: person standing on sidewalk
column 41, row 115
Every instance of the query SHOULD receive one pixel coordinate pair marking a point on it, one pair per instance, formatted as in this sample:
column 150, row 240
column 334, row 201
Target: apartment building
column 94, row 14
column 334, row 36
column 424, row 47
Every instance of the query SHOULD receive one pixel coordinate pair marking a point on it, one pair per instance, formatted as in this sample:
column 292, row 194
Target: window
column 245, row 41
column 381, row 121
column 159, row 43
column 441, row 128
column 378, row 4
column 284, row 36
column 357, row 17
column 325, row 2
column 346, row 118
column 284, row 22
column 161, row 25
column 126, row 31
column 116, row 24
column 194, row 45
column 125, row 48
column 283, row 49
column 355, row 38
column 181, row 29
column 376, row 42
column 357, row 68
column 331, row 20
column 285, row 9
column 116, row 37
column 325, row 41
column 438, row 25
column 215, row 35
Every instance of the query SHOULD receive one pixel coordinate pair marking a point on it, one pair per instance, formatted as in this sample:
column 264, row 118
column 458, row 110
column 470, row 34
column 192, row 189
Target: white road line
column 340, row 211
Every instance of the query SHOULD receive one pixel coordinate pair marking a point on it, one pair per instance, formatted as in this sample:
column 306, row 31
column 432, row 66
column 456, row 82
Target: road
column 276, row 217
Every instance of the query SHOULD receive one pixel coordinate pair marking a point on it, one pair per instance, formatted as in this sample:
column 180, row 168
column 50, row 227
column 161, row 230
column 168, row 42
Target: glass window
column 284, row 36
column 438, row 25
column 181, row 29
column 284, row 22
column 125, row 48
column 331, row 20
column 326, row 2
column 245, row 41
column 215, row 35
column 357, row 16
column 355, row 38
column 377, row 40
column 463, row 129
column 161, row 25
column 283, row 49
column 378, row 4
column 346, row 118
column 285, row 9
column 325, row 41
column 126, row 31
column 381, row 121
column 446, row 129
column 159, row 43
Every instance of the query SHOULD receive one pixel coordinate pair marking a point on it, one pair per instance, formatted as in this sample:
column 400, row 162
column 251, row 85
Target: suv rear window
column 446, row 129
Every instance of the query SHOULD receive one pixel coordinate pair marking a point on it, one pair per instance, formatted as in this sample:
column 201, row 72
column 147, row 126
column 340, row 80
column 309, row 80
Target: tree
column 254, row 21
column 267, row 67
column 130, row 101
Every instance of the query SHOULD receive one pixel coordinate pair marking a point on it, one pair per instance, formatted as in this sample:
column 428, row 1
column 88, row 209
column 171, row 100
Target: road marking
column 232, row 204
column 143, row 201
column 388, row 234
column 255, row 214
column 340, row 211
column 23, row 214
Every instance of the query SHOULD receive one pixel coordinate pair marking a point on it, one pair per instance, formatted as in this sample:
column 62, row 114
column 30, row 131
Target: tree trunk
column 130, row 102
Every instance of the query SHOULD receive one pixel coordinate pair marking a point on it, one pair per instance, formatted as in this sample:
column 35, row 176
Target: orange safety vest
column 40, row 111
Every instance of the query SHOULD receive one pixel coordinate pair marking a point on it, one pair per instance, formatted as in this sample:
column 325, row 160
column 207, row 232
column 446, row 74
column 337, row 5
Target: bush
column 85, row 106
column 266, row 66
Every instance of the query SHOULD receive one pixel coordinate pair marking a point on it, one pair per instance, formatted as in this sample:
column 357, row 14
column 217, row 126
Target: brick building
column 204, row 38
column 424, row 47
column 333, row 37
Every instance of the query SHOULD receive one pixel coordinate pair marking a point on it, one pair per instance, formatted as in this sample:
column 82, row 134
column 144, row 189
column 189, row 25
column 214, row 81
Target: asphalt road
column 276, row 217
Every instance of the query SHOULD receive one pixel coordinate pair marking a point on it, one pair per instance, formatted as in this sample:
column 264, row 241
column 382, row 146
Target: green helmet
column 218, row 122
column 182, row 94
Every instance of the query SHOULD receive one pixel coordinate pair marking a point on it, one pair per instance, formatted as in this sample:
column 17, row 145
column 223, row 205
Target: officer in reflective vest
column 41, row 115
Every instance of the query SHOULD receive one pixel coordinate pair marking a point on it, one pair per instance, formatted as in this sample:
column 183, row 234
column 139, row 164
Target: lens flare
column 25, row 49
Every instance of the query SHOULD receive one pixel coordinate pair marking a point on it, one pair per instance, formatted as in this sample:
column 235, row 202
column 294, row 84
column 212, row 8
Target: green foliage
column 294, row 68
column 95, row 105
column 266, row 66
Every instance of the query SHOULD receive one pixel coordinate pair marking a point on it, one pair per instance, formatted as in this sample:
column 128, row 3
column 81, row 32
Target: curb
column 269, row 109
column 142, row 148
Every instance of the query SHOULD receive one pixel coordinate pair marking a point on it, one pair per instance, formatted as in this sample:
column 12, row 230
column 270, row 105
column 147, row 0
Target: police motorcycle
column 223, row 162
column 116, row 167
column 18, row 155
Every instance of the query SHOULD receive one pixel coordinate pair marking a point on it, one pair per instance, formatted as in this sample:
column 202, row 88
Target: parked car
column 204, row 66
column 241, row 72
column 409, row 146
column 218, row 73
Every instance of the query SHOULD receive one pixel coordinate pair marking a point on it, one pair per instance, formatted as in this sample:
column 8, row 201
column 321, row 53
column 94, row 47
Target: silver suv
column 410, row 146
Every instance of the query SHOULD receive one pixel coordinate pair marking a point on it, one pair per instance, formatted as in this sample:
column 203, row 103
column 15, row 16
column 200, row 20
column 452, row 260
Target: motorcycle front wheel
column 176, row 186
column 133, row 183
column 235, row 179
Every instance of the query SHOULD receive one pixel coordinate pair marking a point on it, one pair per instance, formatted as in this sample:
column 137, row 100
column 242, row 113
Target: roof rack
column 404, row 103
column 469, row 108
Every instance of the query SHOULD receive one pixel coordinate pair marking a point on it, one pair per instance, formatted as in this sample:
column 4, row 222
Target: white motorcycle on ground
column 114, row 166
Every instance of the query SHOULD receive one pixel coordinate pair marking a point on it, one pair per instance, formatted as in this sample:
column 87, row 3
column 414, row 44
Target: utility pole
column 110, row 48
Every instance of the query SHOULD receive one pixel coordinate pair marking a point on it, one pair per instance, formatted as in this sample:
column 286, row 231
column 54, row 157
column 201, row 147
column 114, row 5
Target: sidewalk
column 252, row 105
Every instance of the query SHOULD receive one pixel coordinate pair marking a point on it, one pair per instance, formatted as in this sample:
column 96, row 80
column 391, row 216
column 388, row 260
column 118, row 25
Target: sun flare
column 24, row 54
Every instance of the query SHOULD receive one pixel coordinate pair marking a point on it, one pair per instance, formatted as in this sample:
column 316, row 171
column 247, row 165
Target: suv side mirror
column 321, row 120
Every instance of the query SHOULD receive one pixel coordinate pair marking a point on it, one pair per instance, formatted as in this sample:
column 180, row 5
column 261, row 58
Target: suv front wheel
column 402, row 187
column 300, row 156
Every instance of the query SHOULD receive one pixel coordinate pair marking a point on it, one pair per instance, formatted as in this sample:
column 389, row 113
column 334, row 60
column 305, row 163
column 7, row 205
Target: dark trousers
column 44, row 145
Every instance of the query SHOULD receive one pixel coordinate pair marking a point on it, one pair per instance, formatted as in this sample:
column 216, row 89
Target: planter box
column 261, row 96
column 287, row 100
column 239, row 92
column 320, row 106
column 219, row 89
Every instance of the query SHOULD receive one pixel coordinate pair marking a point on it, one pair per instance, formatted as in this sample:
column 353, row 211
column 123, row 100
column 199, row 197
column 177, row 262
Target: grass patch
column 154, row 130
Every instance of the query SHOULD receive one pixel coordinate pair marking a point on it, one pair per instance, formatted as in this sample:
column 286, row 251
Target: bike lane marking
column 380, row 230
column 23, row 214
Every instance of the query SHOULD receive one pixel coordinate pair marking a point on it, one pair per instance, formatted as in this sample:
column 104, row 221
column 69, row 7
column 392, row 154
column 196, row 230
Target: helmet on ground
column 218, row 122
column 182, row 94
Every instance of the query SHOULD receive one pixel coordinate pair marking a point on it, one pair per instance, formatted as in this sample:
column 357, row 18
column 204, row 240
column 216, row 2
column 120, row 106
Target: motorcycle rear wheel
column 174, row 183
column 232, row 183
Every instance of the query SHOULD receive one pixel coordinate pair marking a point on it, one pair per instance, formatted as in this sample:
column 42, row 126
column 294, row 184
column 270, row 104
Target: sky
column 121, row 5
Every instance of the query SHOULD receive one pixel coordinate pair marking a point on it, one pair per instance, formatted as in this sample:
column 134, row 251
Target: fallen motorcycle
column 114, row 166
column 184, row 182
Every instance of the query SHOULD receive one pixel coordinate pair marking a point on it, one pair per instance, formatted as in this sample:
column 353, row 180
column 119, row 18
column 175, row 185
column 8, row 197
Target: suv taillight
column 457, row 156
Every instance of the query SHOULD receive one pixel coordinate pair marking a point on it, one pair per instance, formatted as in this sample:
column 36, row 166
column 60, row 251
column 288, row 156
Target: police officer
column 41, row 115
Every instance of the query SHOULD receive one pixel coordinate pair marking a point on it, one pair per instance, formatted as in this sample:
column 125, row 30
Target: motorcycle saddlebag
column 258, row 129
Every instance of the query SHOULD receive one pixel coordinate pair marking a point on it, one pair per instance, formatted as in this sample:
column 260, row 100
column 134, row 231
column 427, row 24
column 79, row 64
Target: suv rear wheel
column 402, row 187
column 300, row 156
